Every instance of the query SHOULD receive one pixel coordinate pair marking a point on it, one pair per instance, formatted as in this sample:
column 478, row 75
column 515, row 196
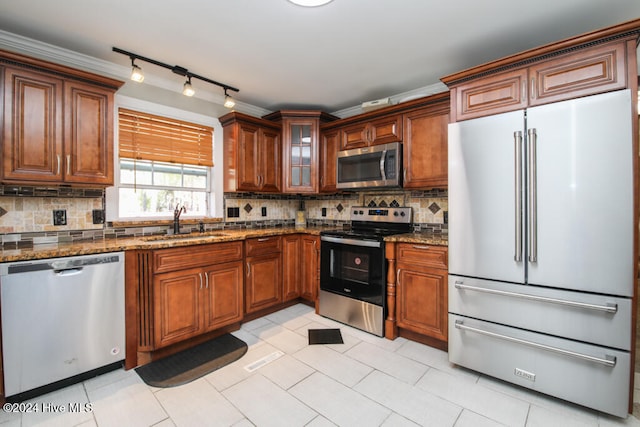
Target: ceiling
column 332, row 57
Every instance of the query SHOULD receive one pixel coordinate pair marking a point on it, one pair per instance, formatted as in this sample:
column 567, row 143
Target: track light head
column 136, row 72
column 228, row 100
column 187, row 89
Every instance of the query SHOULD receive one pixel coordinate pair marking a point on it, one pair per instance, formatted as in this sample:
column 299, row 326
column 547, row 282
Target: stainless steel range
column 353, row 269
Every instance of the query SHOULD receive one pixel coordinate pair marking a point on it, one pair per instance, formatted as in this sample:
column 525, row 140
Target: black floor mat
column 193, row 363
column 325, row 336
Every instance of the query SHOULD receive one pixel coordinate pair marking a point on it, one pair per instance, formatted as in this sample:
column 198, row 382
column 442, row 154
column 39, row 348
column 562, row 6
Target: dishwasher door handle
column 68, row 272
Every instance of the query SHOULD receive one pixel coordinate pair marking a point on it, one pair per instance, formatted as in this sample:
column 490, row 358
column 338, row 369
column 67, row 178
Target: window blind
column 144, row 136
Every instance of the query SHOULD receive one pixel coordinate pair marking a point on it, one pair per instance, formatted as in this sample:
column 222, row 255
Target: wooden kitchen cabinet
column 300, row 148
column 310, row 265
column 538, row 77
column 421, row 290
column 58, row 124
column 379, row 131
column 263, row 280
column 185, row 292
column 252, row 149
column 292, row 261
column 329, row 147
column 425, row 147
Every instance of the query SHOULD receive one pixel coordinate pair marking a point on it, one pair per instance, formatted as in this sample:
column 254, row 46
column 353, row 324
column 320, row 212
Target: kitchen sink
column 186, row 236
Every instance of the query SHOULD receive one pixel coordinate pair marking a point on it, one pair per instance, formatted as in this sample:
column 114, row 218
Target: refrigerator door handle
column 533, row 197
column 608, row 360
column 517, row 160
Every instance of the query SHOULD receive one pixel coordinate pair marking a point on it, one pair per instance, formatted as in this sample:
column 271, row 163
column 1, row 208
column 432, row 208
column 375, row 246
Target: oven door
column 354, row 268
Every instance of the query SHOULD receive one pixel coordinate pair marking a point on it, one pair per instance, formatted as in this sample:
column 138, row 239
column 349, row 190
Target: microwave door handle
column 383, row 160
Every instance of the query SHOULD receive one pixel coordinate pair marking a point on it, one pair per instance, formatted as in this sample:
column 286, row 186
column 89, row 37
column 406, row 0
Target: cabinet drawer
column 262, row 245
column 427, row 255
column 543, row 363
column 553, row 311
column 195, row 256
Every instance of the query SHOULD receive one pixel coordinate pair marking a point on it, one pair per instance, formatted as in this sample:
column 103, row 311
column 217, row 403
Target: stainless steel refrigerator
column 541, row 248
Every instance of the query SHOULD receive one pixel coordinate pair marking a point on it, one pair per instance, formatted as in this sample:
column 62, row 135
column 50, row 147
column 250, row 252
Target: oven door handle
column 353, row 242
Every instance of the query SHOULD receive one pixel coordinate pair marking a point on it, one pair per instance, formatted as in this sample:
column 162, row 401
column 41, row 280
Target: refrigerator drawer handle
column 608, row 307
column 609, row 360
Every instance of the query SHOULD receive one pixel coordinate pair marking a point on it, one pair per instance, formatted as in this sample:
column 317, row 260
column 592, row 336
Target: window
column 163, row 162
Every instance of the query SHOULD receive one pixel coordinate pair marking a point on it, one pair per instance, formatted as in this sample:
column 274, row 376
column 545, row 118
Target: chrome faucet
column 176, row 217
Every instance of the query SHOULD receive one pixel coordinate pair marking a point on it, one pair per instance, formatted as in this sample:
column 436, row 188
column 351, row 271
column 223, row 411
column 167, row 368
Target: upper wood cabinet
column 252, row 149
column 537, row 77
column 379, row 131
column 300, row 149
column 425, row 147
column 58, row 124
column 329, row 147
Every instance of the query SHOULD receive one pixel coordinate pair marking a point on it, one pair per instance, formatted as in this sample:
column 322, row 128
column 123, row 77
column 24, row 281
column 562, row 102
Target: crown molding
column 396, row 99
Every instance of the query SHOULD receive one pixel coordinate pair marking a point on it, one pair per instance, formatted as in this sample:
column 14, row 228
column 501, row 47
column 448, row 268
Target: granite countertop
column 169, row 241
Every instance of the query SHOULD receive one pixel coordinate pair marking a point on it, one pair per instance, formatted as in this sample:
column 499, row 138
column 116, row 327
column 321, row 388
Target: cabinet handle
column 248, row 270
column 206, row 276
column 58, row 168
column 533, row 88
column 404, row 174
column 264, row 239
column 421, row 247
column 398, row 277
column 200, row 274
column 523, row 95
column 68, row 164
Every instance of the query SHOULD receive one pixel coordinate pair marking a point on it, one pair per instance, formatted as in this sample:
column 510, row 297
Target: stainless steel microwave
column 370, row 167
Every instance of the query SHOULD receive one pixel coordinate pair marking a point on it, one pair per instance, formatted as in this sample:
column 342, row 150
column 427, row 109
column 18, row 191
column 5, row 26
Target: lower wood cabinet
column 300, row 263
column 310, row 265
column 191, row 302
column 421, row 290
column 263, row 280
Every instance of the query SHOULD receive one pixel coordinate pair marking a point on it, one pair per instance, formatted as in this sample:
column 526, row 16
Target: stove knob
column 361, row 213
column 401, row 213
column 395, row 214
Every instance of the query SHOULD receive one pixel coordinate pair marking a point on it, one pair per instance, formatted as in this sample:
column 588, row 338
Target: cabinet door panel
column 32, row 146
column 291, row 264
column 386, row 130
column 176, row 306
column 263, row 282
column 88, row 134
column 425, row 149
column 249, row 160
column 269, row 151
column 354, row 136
column 309, row 273
column 422, row 300
column 496, row 94
column 225, row 295
column 328, row 158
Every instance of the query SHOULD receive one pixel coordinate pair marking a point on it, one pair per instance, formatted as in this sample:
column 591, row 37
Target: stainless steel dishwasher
column 62, row 320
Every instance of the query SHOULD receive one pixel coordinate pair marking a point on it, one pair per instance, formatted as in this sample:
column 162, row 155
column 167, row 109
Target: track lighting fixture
column 187, row 89
column 228, row 100
column 136, row 75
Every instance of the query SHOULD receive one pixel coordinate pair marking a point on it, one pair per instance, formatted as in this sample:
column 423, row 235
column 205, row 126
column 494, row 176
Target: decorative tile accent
column 395, row 204
column 248, row 208
column 372, row 204
column 434, row 208
column 382, row 204
column 2, row 211
column 340, row 208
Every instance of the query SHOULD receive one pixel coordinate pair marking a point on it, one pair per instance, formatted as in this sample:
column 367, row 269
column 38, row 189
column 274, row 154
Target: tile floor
column 367, row 381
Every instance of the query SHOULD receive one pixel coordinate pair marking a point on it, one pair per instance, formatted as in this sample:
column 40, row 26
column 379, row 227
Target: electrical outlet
column 59, row 217
column 98, row 216
column 264, row 211
column 446, row 217
column 324, row 211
